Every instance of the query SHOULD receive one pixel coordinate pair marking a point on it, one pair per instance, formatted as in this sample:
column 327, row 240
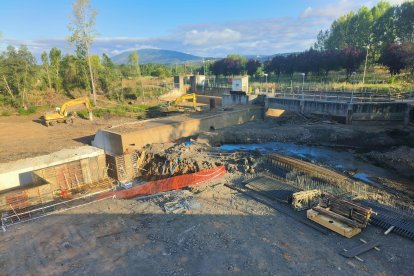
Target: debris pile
column 401, row 159
column 175, row 159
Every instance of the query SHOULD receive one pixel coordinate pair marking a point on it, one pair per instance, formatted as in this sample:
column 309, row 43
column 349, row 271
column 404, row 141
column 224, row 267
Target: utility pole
column 365, row 67
column 303, row 83
column 353, row 90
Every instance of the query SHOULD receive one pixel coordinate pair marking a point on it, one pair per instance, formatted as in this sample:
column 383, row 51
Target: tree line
column 381, row 35
column 20, row 73
column 64, row 73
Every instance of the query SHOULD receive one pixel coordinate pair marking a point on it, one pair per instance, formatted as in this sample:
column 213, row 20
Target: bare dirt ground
column 213, row 230
column 24, row 136
column 221, row 233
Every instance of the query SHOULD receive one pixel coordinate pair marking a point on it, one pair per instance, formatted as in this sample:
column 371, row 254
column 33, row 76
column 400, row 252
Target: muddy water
column 341, row 160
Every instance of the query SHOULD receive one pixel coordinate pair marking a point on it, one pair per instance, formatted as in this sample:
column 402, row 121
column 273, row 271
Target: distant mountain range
column 157, row 56
column 172, row 57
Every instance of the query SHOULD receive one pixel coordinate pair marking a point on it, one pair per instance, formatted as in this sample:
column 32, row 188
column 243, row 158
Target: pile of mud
column 321, row 133
column 399, row 159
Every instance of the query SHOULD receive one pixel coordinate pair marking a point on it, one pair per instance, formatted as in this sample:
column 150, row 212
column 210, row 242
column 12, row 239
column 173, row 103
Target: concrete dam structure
column 349, row 112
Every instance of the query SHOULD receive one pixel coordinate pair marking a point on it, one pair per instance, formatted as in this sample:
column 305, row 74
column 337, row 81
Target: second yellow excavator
column 181, row 104
column 62, row 116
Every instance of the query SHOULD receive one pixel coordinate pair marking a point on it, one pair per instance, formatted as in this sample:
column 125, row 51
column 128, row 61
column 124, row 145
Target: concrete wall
column 235, row 99
column 379, row 111
column 351, row 112
column 73, row 174
column 20, row 173
column 126, row 139
column 212, row 91
column 205, row 99
column 316, row 107
column 230, row 100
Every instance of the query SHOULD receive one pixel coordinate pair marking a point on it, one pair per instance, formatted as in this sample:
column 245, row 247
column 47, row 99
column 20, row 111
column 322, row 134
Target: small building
column 240, row 84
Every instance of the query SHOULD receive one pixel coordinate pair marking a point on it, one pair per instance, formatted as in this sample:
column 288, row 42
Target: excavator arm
column 85, row 101
column 185, row 97
column 174, row 106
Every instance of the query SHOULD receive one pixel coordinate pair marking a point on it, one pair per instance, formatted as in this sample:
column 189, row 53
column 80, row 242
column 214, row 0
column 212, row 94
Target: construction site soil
column 208, row 229
column 221, row 232
column 26, row 136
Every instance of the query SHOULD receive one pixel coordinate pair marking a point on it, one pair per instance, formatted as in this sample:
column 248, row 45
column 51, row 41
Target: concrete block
column 133, row 136
column 20, row 173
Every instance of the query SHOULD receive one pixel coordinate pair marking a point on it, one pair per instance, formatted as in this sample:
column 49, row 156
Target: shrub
column 5, row 113
column 30, row 110
column 392, row 79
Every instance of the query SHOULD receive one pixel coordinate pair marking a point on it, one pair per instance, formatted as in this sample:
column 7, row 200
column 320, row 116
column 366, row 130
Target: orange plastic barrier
column 169, row 184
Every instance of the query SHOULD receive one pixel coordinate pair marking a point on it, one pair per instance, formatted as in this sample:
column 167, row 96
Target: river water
column 341, row 160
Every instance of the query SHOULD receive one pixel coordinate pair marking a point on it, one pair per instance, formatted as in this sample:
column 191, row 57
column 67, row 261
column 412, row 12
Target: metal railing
column 336, row 96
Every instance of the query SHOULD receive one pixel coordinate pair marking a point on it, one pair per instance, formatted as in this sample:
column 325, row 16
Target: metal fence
column 339, row 95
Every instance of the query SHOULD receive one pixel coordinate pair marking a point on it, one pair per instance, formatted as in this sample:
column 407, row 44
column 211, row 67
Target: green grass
column 5, row 113
column 138, row 111
column 29, row 111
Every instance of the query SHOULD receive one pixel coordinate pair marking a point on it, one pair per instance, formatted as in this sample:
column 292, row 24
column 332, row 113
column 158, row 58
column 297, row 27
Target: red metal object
column 169, row 184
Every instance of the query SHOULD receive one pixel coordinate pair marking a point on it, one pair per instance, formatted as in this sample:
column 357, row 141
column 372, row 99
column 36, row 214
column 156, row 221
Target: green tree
column 404, row 21
column 321, row 40
column 83, row 33
column 46, row 66
column 18, row 72
column 109, row 77
column 55, row 57
column 73, row 73
column 363, row 33
column 133, row 61
column 407, row 55
column 383, row 30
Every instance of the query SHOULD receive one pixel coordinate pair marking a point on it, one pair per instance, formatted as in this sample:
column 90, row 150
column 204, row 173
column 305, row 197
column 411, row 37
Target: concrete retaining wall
column 21, row 173
column 351, row 112
column 205, row 99
column 129, row 137
column 234, row 99
column 379, row 111
column 230, row 100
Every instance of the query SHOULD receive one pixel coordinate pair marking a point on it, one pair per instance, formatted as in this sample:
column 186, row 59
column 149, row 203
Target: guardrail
column 333, row 96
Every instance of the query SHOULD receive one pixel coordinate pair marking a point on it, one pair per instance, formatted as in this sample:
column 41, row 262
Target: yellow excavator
column 178, row 105
column 62, row 116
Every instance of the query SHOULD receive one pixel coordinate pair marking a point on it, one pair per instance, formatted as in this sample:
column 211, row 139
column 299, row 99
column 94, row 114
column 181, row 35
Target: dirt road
column 25, row 136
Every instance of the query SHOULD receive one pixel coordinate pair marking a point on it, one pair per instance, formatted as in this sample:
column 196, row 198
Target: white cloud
column 259, row 37
column 332, row 11
column 210, row 37
column 341, row 7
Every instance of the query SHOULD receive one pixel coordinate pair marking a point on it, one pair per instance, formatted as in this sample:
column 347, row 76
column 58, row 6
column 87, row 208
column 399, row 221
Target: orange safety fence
column 168, row 184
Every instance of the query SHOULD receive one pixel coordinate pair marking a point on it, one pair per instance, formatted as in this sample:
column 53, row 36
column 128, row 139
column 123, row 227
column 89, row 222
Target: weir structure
column 349, row 108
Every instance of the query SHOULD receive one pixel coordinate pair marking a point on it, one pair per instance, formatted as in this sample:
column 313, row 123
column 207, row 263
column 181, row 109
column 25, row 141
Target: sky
column 209, row 28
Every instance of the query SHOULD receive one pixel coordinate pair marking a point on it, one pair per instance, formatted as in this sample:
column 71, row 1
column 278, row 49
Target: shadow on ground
column 101, row 241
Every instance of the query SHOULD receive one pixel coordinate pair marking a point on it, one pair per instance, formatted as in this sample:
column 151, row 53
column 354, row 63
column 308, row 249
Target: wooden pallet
column 333, row 224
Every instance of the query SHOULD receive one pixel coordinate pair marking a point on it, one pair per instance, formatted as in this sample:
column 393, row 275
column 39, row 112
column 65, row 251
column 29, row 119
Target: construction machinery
column 181, row 104
column 63, row 116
